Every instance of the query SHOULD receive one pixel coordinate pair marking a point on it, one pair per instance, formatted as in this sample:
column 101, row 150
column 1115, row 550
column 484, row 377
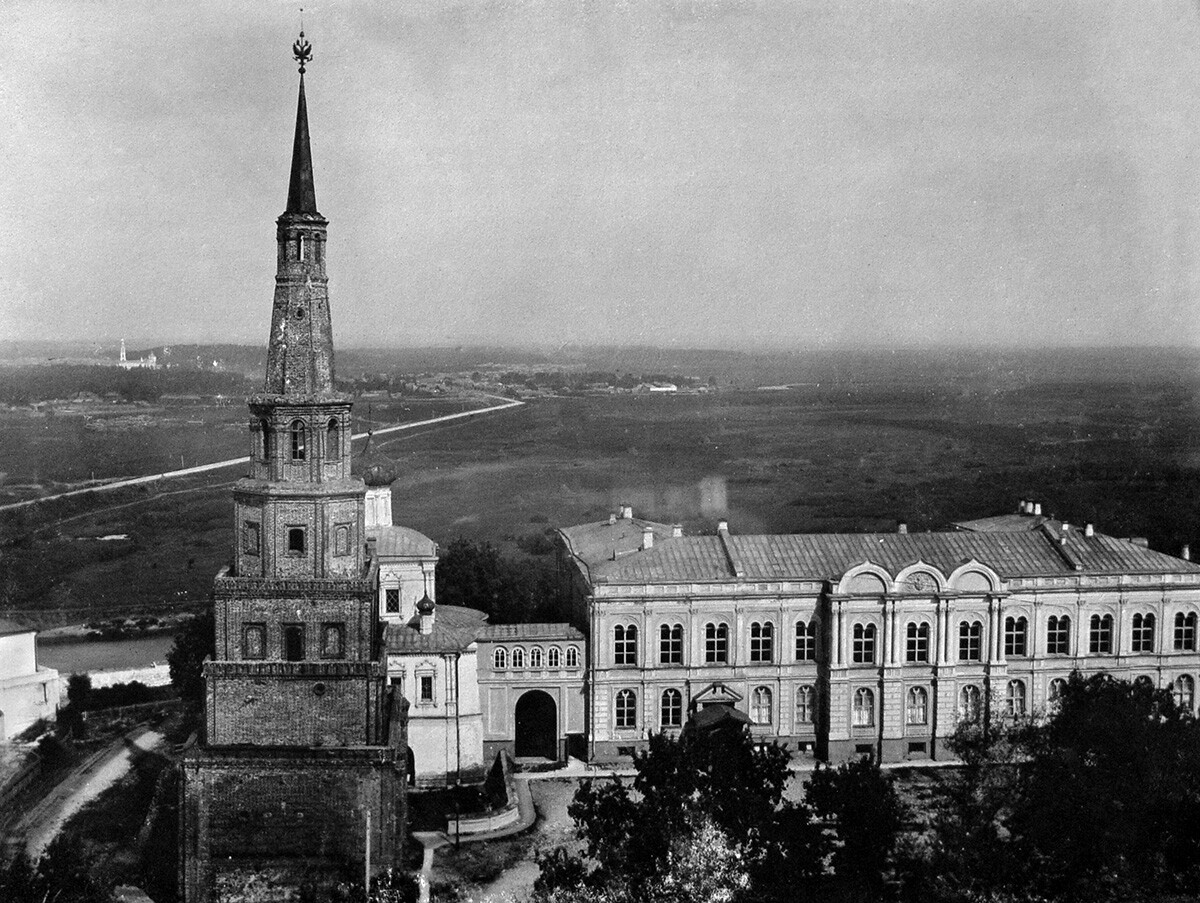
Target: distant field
column 1115, row 443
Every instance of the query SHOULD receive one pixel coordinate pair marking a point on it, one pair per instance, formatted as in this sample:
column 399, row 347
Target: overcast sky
column 685, row 173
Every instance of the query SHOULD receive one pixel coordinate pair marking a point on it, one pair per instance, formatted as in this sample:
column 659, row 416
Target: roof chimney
column 676, row 531
column 626, row 511
column 1186, row 552
column 647, row 538
column 722, row 526
column 1021, row 506
column 612, row 518
column 902, row 527
column 1037, row 509
column 1090, row 530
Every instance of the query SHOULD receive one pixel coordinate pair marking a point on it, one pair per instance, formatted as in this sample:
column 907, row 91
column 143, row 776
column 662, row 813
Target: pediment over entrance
column 717, row 694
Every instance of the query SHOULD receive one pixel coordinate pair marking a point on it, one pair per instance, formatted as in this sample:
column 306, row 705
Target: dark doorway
column 293, row 643
column 410, row 765
column 537, row 726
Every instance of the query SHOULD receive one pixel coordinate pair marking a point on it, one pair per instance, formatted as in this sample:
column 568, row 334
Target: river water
column 105, row 655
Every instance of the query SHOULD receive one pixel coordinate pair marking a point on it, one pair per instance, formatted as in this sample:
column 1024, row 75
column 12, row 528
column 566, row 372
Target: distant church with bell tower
column 300, row 774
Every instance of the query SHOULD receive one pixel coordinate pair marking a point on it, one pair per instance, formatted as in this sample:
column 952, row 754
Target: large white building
column 28, row 691
column 847, row 644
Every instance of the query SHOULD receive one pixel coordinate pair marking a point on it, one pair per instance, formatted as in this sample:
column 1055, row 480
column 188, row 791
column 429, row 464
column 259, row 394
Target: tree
column 194, row 643
column 64, row 874
column 476, row 575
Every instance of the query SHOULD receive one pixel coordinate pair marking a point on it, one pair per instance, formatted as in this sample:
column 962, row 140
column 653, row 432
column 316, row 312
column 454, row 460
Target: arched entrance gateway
column 536, row 726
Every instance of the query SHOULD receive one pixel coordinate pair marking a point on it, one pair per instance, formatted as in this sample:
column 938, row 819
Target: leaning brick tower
column 297, row 779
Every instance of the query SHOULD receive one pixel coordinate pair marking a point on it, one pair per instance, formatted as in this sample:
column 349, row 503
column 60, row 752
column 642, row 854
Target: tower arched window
column 299, row 441
column 918, row 706
column 333, row 449
column 1143, row 633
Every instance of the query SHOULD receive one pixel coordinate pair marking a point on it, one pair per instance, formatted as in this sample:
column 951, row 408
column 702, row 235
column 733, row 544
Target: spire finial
column 302, row 50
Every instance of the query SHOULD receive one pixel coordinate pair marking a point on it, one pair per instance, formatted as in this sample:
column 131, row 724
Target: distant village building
column 300, row 773
column 149, row 362
column 28, row 691
column 843, row 645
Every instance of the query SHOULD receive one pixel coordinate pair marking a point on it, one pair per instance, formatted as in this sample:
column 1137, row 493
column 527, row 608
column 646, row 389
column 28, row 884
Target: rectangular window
column 254, row 641
column 296, row 543
column 426, row 685
column 250, row 537
column 392, row 600
column 333, row 641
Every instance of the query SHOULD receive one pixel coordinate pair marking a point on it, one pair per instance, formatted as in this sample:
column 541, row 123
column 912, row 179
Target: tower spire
column 302, row 196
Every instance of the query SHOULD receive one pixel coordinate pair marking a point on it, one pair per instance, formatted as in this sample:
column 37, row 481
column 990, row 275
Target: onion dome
column 425, row 606
column 375, row 468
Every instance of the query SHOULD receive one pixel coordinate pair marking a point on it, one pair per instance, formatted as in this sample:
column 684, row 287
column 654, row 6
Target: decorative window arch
column 761, row 705
column 1016, row 636
column 863, row 651
column 762, row 641
column 1015, row 699
column 535, row 657
column 572, row 656
column 671, row 709
column 1185, row 693
column 1058, row 635
column 625, row 644
column 500, row 659
column 333, row 448
column 863, row 713
column 806, row 705
column 299, row 440
column 806, row 641
column 626, row 710
column 554, row 657
column 716, row 643
column 1142, row 639
column 970, row 641
column 518, row 657
column 1185, row 632
column 918, row 706
column 969, row 702
column 670, row 644
column 916, row 641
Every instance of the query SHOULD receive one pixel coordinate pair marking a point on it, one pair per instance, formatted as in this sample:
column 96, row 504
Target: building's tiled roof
column 454, row 630
column 828, row 556
column 500, row 633
column 8, row 628
column 607, row 540
column 402, row 542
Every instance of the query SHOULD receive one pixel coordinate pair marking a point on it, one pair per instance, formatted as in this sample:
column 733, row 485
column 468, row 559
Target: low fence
column 494, row 819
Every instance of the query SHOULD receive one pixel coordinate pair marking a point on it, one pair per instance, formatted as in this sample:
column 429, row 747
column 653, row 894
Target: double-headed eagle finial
column 302, row 51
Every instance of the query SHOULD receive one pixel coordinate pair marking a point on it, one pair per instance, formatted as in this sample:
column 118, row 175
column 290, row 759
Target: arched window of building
column 626, row 710
column 863, row 651
column 968, row 702
column 760, row 705
column 500, row 659
column 333, row 448
column 1058, row 635
column 535, row 657
column 1144, row 682
column 1016, row 636
column 1185, row 632
column 299, row 440
column 1100, row 635
column 916, row 642
column 762, row 641
column 918, row 706
column 1142, row 639
column 716, row 643
column 670, row 644
column 970, row 641
column 518, row 658
column 806, row 641
column 554, row 657
column 864, row 707
column 806, row 705
column 625, row 644
column 333, row 641
column 1054, row 693
column 572, row 657
column 1015, row 699
column 1185, row 693
column 672, row 709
